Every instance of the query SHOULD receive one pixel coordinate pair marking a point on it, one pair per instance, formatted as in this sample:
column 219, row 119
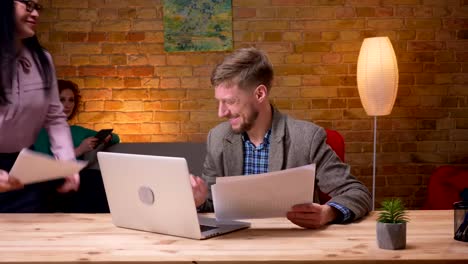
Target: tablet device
column 102, row 134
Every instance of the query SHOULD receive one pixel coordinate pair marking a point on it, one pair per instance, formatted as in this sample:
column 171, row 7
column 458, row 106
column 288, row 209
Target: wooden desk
column 63, row 238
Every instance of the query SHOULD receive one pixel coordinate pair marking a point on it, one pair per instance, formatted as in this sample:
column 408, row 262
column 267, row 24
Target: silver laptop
column 153, row 193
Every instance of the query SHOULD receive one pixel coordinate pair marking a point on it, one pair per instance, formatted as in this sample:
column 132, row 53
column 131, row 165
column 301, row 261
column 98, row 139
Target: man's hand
column 8, row 183
column 72, row 183
column 199, row 189
column 311, row 215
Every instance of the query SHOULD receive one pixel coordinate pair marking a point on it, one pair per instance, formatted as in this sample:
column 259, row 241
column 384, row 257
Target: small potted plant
column 391, row 225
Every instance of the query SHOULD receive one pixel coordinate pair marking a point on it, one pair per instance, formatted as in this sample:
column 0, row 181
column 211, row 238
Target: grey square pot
column 391, row 236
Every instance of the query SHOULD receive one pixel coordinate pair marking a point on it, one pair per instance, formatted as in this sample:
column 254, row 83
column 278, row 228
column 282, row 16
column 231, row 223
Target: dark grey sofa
column 194, row 153
column 91, row 197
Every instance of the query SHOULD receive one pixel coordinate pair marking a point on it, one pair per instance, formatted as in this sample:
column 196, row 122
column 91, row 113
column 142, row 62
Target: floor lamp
column 377, row 80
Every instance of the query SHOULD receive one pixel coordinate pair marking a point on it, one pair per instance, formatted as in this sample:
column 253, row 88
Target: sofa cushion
column 194, row 153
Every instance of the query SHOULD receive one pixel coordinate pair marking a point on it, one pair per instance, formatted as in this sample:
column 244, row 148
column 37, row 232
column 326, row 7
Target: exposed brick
column 345, row 12
column 425, row 35
column 290, row 81
column 328, row 24
column 118, row 59
column 288, row 2
column 130, row 94
column 136, row 36
column 173, row 71
column 244, row 12
column 420, row 23
column 387, row 23
column 113, row 82
column 365, row 11
column 346, row 46
column 99, row 60
column 135, row 138
column 129, row 48
column 169, row 83
column 455, row 23
column 459, row 135
column 319, row 12
column 326, row 35
column 137, row 59
column 171, row 116
column 73, row 26
column 134, row 117
column 147, row 25
column 141, row 71
column 170, row 105
column 442, row 67
column 97, row 71
column 132, row 82
column 82, row 48
column 157, row 37
column 76, row 36
column 167, row 94
column 96, row 36
column 151, row 48
column 94, row 117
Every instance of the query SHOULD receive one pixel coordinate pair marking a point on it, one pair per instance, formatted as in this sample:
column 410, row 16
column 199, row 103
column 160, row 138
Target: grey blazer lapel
column 276, row 155
column 233, row 157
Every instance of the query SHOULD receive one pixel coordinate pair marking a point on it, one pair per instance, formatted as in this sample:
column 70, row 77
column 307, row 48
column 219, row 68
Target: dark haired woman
column 83, row 138
column 28, row 102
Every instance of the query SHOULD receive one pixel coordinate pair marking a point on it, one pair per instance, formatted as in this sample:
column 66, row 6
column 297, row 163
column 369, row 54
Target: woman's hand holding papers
column 311, row 215
column 199, row 189
column 72, row 183
column 8, row 183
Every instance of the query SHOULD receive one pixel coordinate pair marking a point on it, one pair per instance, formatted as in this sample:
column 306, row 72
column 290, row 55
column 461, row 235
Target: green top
column 78, row 133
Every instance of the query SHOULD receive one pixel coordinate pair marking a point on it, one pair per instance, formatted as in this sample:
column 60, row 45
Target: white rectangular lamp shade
column 377, row 76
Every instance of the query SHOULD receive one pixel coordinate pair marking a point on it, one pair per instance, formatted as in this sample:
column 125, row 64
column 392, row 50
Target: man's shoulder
column 301, row 127
column 220, row 131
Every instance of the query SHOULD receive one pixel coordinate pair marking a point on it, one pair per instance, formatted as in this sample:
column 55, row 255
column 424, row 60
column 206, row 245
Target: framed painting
column 197, row 25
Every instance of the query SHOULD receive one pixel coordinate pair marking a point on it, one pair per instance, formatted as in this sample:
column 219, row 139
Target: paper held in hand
column 32, row 167
column 263, row 195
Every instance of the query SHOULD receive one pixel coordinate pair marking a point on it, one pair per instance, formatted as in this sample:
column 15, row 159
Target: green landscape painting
column 197, row 25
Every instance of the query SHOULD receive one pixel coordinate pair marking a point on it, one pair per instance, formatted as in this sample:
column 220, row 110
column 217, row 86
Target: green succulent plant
column 393, row 211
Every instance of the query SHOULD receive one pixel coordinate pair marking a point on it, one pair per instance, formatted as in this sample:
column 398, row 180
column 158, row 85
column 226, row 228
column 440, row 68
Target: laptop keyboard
column 204, row 228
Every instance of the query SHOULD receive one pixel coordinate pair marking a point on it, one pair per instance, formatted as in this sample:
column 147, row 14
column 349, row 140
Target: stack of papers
column 263, row 195
column 32, row 167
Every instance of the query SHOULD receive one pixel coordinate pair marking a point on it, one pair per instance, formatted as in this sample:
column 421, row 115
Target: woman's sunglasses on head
column 30, row 5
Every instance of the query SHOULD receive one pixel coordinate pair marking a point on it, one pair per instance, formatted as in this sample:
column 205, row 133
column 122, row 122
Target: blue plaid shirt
column 256, row 162
column 256, row 158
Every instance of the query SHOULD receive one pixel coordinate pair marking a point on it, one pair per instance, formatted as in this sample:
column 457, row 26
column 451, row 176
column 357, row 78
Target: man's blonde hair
column 247, row 67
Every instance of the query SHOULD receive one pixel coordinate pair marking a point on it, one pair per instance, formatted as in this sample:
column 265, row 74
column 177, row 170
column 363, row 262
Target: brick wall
column 114, row 50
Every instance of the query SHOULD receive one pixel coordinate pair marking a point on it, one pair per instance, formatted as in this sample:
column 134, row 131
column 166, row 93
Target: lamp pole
column 373, row 163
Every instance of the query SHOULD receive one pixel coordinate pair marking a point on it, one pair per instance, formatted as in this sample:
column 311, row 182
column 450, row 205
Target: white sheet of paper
column 32, row 167
column 263, row 195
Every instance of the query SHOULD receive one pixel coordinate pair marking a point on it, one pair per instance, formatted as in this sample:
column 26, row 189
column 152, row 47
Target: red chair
column 444, row 188
column 336, row 141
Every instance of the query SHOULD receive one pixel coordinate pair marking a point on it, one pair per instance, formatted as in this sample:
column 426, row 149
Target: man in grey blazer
column 257, row 138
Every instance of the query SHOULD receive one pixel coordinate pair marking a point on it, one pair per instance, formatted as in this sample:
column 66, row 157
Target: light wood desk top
column 68, row 238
